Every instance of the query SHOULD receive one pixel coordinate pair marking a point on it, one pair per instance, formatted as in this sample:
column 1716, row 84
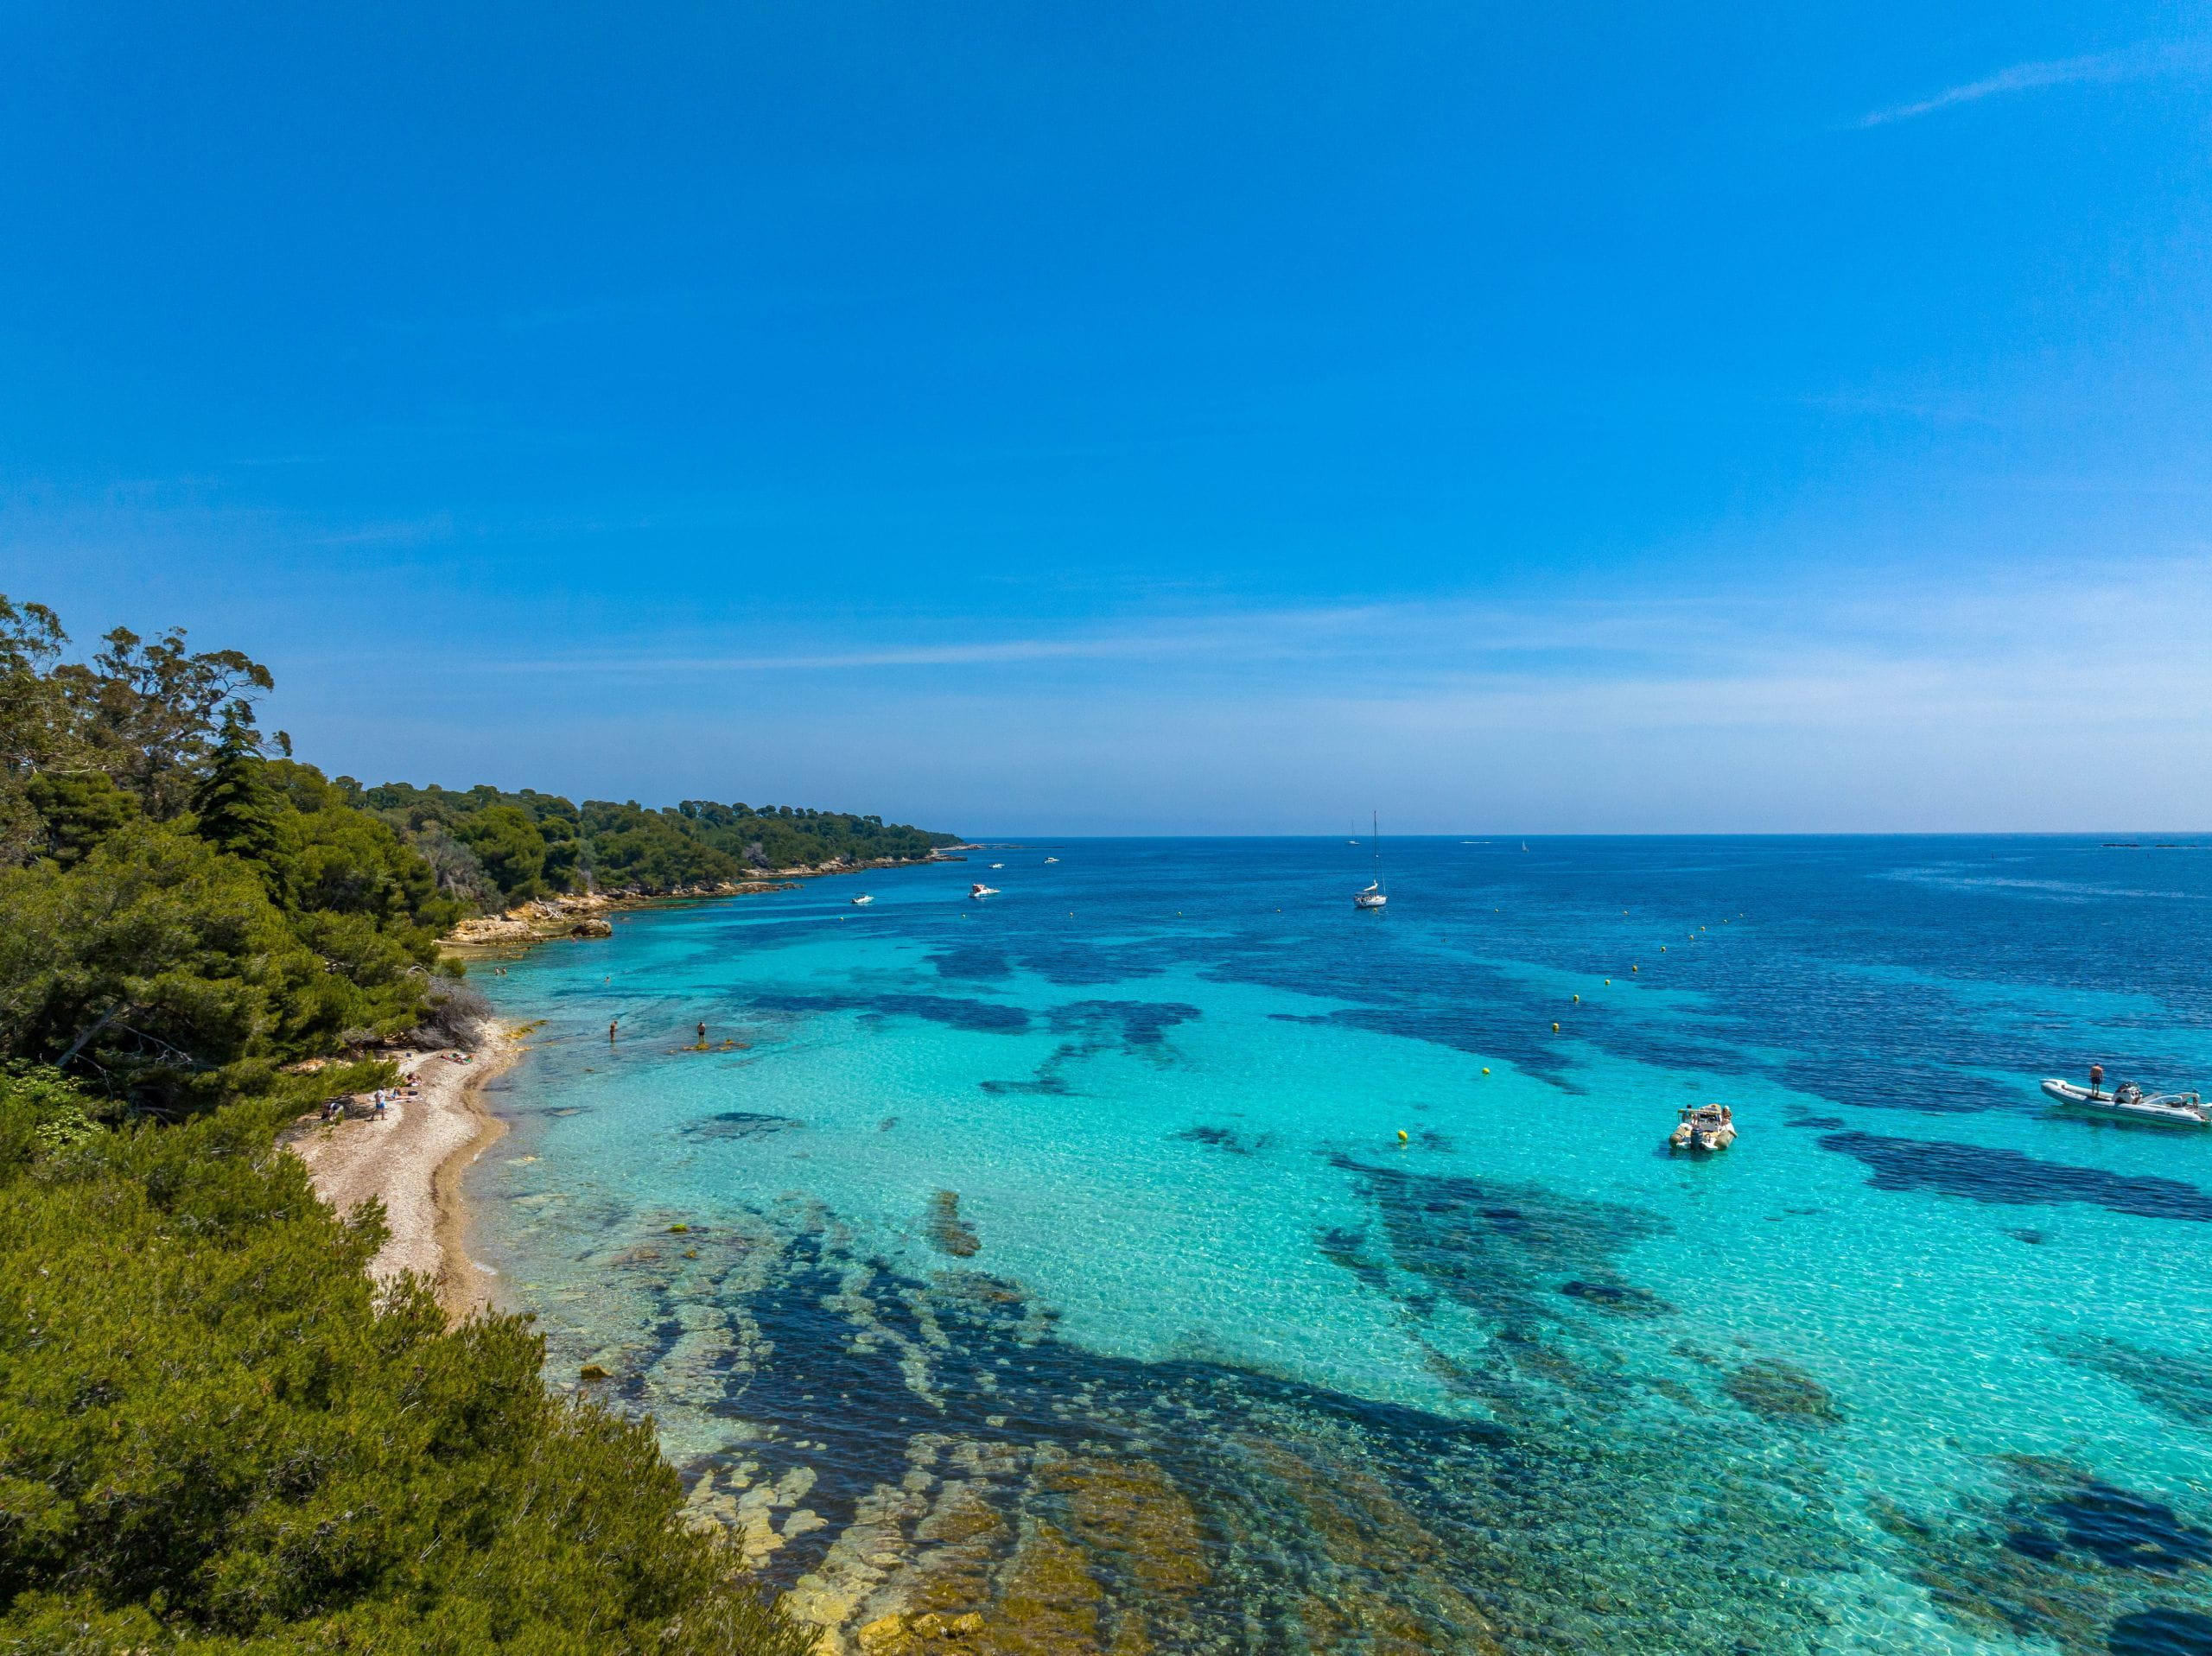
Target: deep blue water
column 1057, row 1257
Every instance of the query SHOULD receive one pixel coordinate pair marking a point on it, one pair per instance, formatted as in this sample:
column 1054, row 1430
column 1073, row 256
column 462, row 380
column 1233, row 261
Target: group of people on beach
column 334, row 1110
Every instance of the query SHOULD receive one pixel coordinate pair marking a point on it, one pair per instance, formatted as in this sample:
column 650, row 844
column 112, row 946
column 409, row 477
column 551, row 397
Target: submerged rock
column 947, row 1233
column 2068, row 1557
column 1775, row 1390
column 2178, row 1384
column 2161, row 1632
column 1616, row 1298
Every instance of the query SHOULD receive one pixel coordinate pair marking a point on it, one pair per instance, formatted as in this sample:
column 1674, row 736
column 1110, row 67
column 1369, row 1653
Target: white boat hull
column 1364, row 901
column 2175, row 1109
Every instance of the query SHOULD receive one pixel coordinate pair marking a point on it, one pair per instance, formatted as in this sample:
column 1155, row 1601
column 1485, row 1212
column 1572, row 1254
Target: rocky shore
column 584, row 915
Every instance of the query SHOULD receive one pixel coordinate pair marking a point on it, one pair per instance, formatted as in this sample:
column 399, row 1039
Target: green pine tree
column 237, row 810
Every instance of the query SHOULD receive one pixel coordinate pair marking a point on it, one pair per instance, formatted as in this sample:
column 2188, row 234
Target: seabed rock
column 1775, row 1390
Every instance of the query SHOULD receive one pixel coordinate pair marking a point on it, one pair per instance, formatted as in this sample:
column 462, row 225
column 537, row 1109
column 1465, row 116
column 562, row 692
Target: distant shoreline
column 579, row 915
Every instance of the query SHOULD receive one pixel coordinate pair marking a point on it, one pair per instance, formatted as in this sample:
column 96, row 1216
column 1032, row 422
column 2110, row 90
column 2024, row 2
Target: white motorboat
column 980, row 890
column 998, row 865
column 863, row 900
column 1704, row 1127
column 2130, row 1102
column 1374, row 897
column 1052, row 860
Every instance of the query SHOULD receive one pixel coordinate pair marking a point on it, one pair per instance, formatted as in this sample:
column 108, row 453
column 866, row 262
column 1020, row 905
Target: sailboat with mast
column 1374, row 897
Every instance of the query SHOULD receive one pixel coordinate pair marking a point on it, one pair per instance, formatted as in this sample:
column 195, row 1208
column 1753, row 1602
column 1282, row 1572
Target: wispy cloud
column 1356, row 635
column 2130, row 63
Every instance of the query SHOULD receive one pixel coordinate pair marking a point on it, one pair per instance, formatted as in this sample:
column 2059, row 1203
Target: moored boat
column 1373, row 896
column 980, row 890
column 2131, row 1102
column 863, row 900
column 1704, row 1127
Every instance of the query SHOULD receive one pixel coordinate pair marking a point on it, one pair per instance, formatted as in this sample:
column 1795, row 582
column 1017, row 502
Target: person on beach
column 379, row 1109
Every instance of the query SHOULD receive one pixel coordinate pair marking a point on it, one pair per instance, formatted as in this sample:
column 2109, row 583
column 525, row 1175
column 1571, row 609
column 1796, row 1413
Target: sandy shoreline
column 414, row 1160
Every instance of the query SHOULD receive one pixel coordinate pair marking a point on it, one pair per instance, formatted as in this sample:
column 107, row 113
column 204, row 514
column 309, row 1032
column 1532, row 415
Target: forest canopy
column 495, row 848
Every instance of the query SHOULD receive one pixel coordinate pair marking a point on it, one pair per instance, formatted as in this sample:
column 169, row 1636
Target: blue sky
column 1145, row 417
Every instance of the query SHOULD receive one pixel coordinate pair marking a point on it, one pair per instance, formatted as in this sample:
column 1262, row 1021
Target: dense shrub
column 215, row 1438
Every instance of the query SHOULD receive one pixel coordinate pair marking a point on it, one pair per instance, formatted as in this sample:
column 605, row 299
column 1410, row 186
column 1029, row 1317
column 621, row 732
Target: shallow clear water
column 1057, row 1258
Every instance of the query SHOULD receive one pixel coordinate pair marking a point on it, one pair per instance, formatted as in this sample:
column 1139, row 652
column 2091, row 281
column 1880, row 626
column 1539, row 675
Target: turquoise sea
column 1056, row 1260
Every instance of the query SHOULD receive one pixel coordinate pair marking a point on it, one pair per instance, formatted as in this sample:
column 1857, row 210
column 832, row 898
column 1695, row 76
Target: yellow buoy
column 1663, row 949
column 1402, row 1135
column 1485, row 1069
column 1609, row 983
column 1578, row 1000
column 1554, row 1028
column 1636, row 968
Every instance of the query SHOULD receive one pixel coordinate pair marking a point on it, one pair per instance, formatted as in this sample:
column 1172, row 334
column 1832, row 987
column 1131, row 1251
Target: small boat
column 2130, row 1102
column 1374, row 897
column 998, row 865
column 980, row 890
column 1703, row 1127
column 863, row 900
column 1052, row 860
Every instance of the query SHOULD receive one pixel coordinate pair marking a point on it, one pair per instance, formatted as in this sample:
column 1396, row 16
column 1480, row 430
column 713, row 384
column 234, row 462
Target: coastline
column 413, row 1161
column 420, row 1174
column 464, row 1287
column 582, row 915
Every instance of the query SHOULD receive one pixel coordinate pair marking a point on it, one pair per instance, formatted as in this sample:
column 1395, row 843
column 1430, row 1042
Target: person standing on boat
column 2096, row 1080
